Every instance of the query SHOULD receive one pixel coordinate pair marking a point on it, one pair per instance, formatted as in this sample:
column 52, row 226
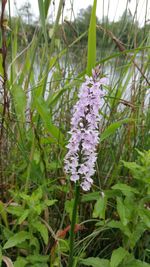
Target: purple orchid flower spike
column 81, row 157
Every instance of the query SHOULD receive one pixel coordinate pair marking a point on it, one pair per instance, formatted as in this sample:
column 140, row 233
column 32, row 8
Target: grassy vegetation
column 40, row 79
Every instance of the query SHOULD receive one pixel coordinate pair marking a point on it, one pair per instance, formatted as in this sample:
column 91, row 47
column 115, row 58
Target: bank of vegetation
column 41, row 73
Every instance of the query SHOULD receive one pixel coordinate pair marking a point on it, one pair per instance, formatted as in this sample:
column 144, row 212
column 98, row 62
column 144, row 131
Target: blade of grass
column 91, row 60
column 42, row 10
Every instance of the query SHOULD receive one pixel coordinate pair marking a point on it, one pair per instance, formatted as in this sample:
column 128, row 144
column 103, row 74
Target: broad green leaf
column 17, row 239
column 145, row 216
column 138, row 230
column 122, row 211
column 100, row 208
column 117, row 256
column 136, row 263
column 90, row 196
column 20, row 262
column 125, row 189
column 37, row 258
column 111, row 129
column 95, row 262
column 23, row 216
column 35, row 244
column 33, row 259
column 15, row 210
column 91, row 60
column 124, row 228
column 131, row 207
column 42, row 229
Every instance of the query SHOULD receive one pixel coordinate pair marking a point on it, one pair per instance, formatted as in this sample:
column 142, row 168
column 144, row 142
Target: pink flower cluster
column 81, row 157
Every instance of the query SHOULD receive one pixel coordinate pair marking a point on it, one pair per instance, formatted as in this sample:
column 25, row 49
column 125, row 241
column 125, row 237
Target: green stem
column 73, row 221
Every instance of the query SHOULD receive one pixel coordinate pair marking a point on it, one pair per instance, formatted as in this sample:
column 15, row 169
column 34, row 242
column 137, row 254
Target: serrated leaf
column 42, row 229
column 117, row 256
column 95, row 262
column 17, row 239
column 15, row 210
column 125, row 189
column 138, row 230
column 122, row 211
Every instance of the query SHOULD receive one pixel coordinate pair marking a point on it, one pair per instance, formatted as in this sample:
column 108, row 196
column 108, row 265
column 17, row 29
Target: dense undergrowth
column 39, row 86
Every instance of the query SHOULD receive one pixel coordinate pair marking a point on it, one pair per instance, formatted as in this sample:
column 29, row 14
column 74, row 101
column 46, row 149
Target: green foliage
column 91, row 60
column 17, row 239
column 32, row 260
column 129, row 206
column 28, row 212
column 140, row 170
column 100, row 208
column 46, row 66
column 96, row 262
column 43, row 11
column 117, row 257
